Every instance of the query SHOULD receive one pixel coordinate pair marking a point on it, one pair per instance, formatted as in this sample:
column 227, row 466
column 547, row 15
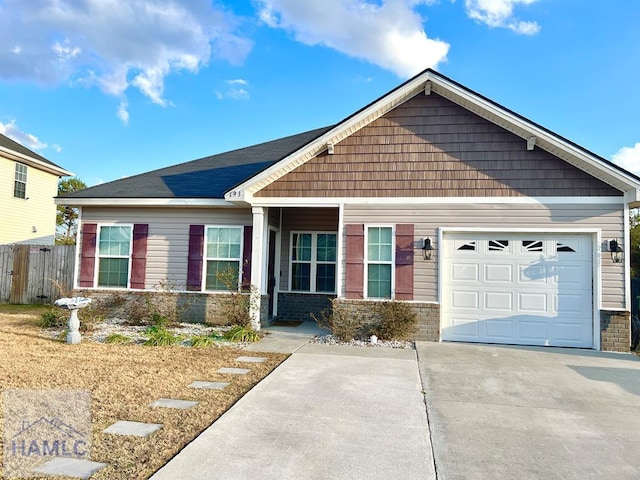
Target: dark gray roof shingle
column 208, row 177
column 6, row 142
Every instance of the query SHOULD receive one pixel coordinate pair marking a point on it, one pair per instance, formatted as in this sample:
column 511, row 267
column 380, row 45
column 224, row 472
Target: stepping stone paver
column 172, row 403
column 70, row 467
column 251, row 359
column 136, row 429
column 209, row 385
column 235, row 371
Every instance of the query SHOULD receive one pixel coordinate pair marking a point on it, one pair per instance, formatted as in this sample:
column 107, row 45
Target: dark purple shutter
column 139, row 255
column 404, row 262
column 88, row 254
column 194, row 261
column 354, row 287
column 246, row 257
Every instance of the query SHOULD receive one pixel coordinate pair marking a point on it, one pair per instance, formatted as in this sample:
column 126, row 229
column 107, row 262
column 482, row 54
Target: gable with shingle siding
column 431, row 147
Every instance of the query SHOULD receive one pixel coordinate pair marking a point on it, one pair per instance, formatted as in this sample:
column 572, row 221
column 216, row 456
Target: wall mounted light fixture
column 427, row 248
column 616, row 250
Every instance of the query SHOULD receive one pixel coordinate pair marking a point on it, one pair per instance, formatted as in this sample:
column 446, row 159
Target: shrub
column 238, row 333
column 237, row 306
column 343, row 325
column 394, row 321
column 202, row 341
column 117, row 338
column 158, row 308
column 54, row 318
column 161, row 337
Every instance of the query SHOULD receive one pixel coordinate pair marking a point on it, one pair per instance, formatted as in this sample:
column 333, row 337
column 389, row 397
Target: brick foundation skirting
column 615, row 331
column 192, row 307
column 428, row 316
column 300, row 306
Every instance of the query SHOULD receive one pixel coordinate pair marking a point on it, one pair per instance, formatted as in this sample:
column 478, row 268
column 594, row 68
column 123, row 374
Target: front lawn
column 123, row 381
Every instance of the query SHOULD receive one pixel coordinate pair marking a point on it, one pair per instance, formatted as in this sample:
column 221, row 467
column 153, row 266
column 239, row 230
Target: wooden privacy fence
column 35, row 273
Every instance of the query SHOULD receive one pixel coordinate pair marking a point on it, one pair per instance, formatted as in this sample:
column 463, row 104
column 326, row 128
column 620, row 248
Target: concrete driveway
column 531, row 413
column 327, row 412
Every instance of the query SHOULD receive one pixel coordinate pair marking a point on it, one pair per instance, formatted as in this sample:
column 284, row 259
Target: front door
column 271, row 270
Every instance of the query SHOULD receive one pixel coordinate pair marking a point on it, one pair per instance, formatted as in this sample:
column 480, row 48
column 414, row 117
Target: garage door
column 527, row 289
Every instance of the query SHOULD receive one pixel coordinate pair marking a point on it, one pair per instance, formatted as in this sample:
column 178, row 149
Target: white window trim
column 98, row 256
column 15, row 180
column 314, row 261
column 367, row 262
column 205, row 259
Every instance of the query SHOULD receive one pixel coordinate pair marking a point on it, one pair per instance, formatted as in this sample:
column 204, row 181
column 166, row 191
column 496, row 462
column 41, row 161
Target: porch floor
column 307, row 327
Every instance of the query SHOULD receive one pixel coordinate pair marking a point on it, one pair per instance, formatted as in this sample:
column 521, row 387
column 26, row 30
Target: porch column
column 258, row 255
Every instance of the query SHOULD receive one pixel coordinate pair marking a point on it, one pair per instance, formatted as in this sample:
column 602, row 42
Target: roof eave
column 36, row 163
column 143, row 202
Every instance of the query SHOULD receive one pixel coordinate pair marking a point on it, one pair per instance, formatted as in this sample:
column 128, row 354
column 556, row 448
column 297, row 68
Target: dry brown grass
column 123, row 381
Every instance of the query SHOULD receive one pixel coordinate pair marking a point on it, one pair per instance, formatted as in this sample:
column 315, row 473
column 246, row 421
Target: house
column 494, row 228
column 29, row 185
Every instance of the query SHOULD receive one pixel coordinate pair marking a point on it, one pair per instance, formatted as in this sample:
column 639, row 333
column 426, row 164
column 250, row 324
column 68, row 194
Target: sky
column 111, row 88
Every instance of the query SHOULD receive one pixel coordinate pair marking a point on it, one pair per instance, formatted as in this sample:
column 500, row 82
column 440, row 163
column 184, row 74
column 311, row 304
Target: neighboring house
column 29, row 186
column 494, row 228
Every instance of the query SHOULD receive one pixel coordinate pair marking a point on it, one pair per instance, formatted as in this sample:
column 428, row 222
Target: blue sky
column 112, row 89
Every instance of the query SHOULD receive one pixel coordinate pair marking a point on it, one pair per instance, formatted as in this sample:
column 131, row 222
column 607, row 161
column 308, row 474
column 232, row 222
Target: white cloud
column 57, row 148
column 499, row 13
column 114, row 44
column 123, row 112
column 28, row 140
column 235, row 90
column 628, row 158
column 388, row 33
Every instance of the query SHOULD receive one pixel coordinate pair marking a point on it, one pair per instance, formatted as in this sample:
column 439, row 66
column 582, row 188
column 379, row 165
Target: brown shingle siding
column 430, row 147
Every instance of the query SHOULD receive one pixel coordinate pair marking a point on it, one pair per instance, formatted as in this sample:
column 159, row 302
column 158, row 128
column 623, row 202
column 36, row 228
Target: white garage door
column 527, row 289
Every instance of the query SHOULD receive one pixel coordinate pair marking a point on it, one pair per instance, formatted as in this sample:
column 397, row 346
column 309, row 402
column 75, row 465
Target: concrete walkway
column 528, row 413
column 327, row 412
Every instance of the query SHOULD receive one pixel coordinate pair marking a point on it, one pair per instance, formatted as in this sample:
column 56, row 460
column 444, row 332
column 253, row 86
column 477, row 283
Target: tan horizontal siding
column 168, row 239
column 430, row 147
column 306, row 220
column 428, row 218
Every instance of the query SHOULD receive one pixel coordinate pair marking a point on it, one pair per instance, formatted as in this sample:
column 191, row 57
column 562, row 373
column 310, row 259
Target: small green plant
column 394, row 321
column 54, row 318
column 238, row 333
column 343, row 324
column 202, row 341
column 117, row 338
column 160, row 337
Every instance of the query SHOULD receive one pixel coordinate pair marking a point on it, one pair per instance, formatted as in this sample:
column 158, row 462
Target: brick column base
column 615, row 331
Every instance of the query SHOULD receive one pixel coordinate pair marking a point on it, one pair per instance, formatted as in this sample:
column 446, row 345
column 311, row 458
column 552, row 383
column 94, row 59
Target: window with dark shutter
column 139, row 256
column 194, row 261
column 404, row 262
column 88, row 236
column 354, row 285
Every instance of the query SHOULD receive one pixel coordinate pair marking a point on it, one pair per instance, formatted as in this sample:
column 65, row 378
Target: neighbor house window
column 20, row 181
column 114, row 253
column 313, row 262
column 223, row 257
column 379, row 261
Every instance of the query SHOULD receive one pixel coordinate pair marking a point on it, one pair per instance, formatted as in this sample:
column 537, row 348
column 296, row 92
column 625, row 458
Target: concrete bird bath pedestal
column 73, row 304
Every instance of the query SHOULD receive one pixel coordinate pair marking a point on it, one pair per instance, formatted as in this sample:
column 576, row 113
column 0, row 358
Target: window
column 313, row 262
column 114, row 251
column 20, row 181
column 379, row 258
column 223, row 257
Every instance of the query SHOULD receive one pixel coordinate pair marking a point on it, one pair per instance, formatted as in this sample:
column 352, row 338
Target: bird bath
column 73, row 304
